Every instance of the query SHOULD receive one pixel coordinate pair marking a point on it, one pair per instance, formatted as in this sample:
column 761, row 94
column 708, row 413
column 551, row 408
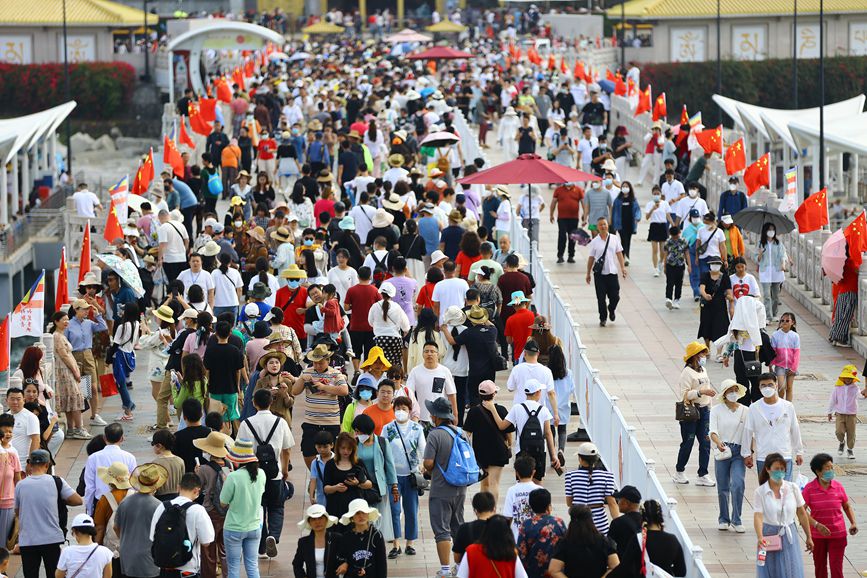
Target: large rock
column 104, row 143
column 82, row 142
column 134, row 145
column 115, row 132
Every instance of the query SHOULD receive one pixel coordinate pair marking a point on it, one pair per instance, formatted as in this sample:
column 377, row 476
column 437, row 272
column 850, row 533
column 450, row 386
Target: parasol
column 322, row 27
column 125, row 269
column 834, row 256
column 408, row 35
column 279, row 56
column 752, row 219
column 133, row 202
column 439, row 53
column 446, row 26
column 299, row 56
column 440, row 139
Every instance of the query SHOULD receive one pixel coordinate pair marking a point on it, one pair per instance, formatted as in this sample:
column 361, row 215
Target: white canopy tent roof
column 26, row 131
column 846, row 134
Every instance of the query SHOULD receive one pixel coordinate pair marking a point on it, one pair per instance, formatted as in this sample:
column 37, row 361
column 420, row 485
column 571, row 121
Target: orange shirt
column 465, row 263
column 380, row 418
column 231, row 156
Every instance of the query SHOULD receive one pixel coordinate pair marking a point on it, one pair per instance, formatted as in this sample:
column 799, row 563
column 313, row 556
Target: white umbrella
column 407, row 35
column 299, row 56
column 279, row 56
column 125, row 269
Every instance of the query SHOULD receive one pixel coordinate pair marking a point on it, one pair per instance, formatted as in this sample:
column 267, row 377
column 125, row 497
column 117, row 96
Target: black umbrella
column 752, row 219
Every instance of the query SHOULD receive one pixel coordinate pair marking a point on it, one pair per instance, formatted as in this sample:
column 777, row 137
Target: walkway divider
column 600, row 416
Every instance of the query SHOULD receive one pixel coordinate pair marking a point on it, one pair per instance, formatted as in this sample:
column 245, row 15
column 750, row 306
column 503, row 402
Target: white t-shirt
column 381, row 256
column 517, row 416
column 657, row 214
column 72, row 560
column 597, row 247
column 203, row 279
column 173, row 234
column 85, row 203
column 517, row 504
column 273, row 285
column 26, row 425
column 712, row 239
column 342, row 279
column 450, row 292
column 526, row 211
column 524, row 371
column 395, row 174
column 672, row 191
column 226, row 287
column 262, row 423
column 430, row 384
column 200, row 530
column 504, row 215
column 683, row 207
column 746, row 286
column 585, row 148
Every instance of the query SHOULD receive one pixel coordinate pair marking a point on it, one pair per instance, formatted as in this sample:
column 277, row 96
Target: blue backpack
column 317, row 153
column 462, row 469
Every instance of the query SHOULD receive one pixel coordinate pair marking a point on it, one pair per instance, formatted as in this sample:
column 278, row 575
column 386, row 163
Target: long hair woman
column 469, row 253
column 193, row 383
column 584, row 551
column 662, row 548
column 773, row 262
column 67, row 375
column 344, row 476
column 494, row 555
column 389, row 323
column 197, row 341
column 126, row 335
column 242, row 495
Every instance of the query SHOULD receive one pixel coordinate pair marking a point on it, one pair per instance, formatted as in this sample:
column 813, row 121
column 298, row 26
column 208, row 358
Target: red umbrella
column 528, row 169
column 439, row 53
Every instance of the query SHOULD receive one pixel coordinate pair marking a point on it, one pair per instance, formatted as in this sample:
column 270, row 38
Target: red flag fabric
column 551, row 64
column 4, row 344
column 224, row 91
column 249, row 68
column 84, row 260
column 198, row 122
column 856, row 238
column 630, row 87
column 579, row 70
column 113, row 229
column 684, row 116
column 735, row 157
column 183, row 136
column 518, row 55
column 711, row 140
column 758, row 174
column 619, row 86
column 208, row 109
column 609, row 75
column 61, row 296
column 643, row 101
column 238, row 78
column 660, row 110
column 144, row 175
column 563, row 68
column 171, row 156
column 812, row 215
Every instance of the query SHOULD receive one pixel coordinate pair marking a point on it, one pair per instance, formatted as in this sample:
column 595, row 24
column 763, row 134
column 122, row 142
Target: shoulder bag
column 751, row 368
column 600, row 262
column 416, row 480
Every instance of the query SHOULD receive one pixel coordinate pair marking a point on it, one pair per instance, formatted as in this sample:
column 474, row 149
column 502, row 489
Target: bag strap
column 86, row 560
column 496, row 570
column 253, row 431
column 405, row 452
column 273, row 429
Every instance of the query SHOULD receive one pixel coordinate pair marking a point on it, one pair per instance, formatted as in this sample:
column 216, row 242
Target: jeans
column 32, row 557
column 409, row 501
column 272, row 508
column 233, row 309
column 607, row 286
column 673, row 281
column 689, row 430
column 122, row 368
column 730, row 481
column 760, row 465
column 829, row 552
column 771, row 297
column 694, row 276
column 242, row 544
column 564, row 227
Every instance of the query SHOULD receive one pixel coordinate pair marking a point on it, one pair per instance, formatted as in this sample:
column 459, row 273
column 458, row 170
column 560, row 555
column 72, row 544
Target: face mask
column 733, row 187
column 695, row 221
column 702, row 361
column 607, row 182
column 294, row 283
column 656, row 197
column 595, row 184
column 308, row 242
column 828, row 476
column 401, row 415
column 365, row 394
column 715, row 267
column 768, row 392
column 238, row 224
column 771, row 233
column 362, row 438
column 625, row 190
column 693, row 193
column 778, row 475
column 732, row 397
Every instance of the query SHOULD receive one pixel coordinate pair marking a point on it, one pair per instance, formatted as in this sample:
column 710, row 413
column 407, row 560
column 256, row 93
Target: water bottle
column 761, row 556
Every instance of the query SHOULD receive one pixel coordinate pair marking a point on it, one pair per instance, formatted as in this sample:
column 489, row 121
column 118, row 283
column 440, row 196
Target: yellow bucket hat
column 848, row 372
column 694, row 348
column 375, row 353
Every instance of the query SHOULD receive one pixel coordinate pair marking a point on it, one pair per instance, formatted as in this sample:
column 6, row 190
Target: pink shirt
column 9, row 465
column 844, row 399
column 826, row 506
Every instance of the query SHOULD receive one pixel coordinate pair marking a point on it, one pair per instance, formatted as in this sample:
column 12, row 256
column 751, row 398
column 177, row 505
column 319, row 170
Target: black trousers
column 461, row 397
column 172, row 270
column 673, row 280
column 189, row 216
column 607, row 288
column 752, row 383
column 626, row 241
column 32, row 557
column 564, row 227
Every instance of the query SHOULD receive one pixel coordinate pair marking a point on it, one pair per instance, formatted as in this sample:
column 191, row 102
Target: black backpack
column 217, row 489
column 264, row 452
column 172, row 547
column 380, row 271
column 532, row 436
column 62, row 508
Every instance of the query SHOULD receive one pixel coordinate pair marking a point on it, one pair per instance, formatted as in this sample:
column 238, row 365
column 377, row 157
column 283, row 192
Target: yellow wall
column 289, row 6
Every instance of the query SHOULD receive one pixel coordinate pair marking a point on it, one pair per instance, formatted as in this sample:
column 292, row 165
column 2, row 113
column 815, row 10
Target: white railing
column 600, row 415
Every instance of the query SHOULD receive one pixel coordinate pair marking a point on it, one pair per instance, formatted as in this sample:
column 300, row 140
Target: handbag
column 416, row 480
column 724, row 455
column 600, row 262
column 751, row 368
column 685, row 411
column 108, row 385
column 773, row 543
column 86, row 387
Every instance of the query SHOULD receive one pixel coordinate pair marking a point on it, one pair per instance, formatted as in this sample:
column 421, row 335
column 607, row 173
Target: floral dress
column 537, row 540
column 69, row 397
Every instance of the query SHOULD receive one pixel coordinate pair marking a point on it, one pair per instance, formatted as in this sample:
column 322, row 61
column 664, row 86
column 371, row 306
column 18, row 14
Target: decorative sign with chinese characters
column 750, row 42
column 858, row 39
column 807, row 40
column 16, row 49
column 688, row 44
column 80, row 48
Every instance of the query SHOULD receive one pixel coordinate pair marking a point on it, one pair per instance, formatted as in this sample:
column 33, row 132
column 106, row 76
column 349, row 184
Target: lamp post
column 623, row 35
column 821, row 94
column 719, row 56
column 68, row 91
column 795, row 55
column 146, row 77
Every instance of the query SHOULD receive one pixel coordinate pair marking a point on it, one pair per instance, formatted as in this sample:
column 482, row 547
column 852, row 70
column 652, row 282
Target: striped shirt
column 592, row 494
column 322, row 408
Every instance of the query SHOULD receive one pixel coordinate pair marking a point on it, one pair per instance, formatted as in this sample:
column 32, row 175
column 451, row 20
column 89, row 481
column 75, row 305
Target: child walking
column 844, row 403
column 675, row 253
column 787, row 345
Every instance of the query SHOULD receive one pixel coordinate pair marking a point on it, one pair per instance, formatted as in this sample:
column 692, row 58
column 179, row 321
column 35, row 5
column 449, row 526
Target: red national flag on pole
column 812, row 215
column 644, row 101
column 736, row 157
column 609, row 75
column 684, row 116
column 4, row 344
column 660, row 111
column 171, row 156
column 238, row 78
column 84, row 261
column 551, row 64
column 579, row 70
column 144, row 175
column 563, row 68
column 208, row 109
column 249, row 68
column 619, row 86
column 710, row 139
column 224, row 91
column 856, row 238
column 183, row 136
column 113, row 229
column 61, row 296
column 198, row 122
column 758, row 174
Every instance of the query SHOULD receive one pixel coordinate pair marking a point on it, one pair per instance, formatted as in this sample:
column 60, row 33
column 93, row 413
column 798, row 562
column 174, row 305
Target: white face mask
column 732, row 396
column 693, row 193
column 625, row 190
column 715, row 267
column 401, row 415
column 771, row 233
column 702, row 361
column 695, row 220
column 733, row 187
column 238, row 224
column 769, row 391
column 362, row 438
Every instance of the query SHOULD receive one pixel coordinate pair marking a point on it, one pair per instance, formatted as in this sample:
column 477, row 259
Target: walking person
column 492, row 446
column 787, row 345
column 242, row 496
column 567, row 201
column 605, row 261
column 584, row 551
column 67, row 377
column 675, row 255
column 494, row 555
column 362, row 548
column 843, row 406
column 592, row 486
column 85, row 558
column 726, row 431
column 375, row 453
column 772, row 427
column 625, row 215
column 133, row 519
column 126, row 335
column 696, row 390
column 316, row 554
column 773, row 264
column 716, row 293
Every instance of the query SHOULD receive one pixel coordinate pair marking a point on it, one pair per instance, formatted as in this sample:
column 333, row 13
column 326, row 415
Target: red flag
column 710, row 139
column 758, row 174
column 208, row 109
column 224, row 91
column 684, row 116
column 643, row 101
column 518, row 54
column 736, row 157
column 113, row 229
column 812, row 215
column 659, row 109
column 579, row 70
column 551, row 64
column 609, row 75
column 197, row 121
column 171, row 156
column 511, row 49
column 249, row 68
column 630, row 87
column 563, row 68
column 238, row 78
column 144, row 175
column 4, row 344
column 856, row 238
column 61, row 296
column 184, row 137
column 619, row 86
column 84, row 260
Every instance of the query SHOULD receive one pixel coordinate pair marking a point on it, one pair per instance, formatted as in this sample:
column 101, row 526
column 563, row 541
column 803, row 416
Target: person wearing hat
column 518, row 418
column 726, row 432
column 322, row 385
column 518, row 325
column 116, row 476
column 491, row 445
column 362, row 547
column 81, row 332
column 362, row 398
column 389, row 323
column 242, row 493
column 592, row 486
column 382, row 226
column 842, row 406
column 531, row 368
column 132, row 521
column 174, row 242
column 242, row 190
column 695, row 388
column 40, row 534
column 272, row 377
column 318, row 545
column 624, row 528
column 734, row 239
column 732, row 200
column 396, row 171
column 85, row 558
column 653, row 142
column 212, row 472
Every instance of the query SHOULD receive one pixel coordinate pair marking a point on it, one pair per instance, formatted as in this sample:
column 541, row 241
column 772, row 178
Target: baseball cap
column 587, row 449
column 39, row 457
column 628, row 493
column 82, row 521
column 693, row 213
column 531, row 346
column 532, row 386
column 488, row 387
column 251, row 310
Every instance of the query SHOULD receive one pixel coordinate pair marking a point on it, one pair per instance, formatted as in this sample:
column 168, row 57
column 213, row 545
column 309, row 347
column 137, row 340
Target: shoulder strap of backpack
column 253, row 431
column 273, row 429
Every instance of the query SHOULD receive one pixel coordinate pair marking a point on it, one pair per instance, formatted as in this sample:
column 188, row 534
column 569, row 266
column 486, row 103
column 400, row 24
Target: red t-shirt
column 323, row 206
column 518, row 328
column 267, row 148
column 465, row 263
column 568, row 201
column 424, row 296
column 358, row 300
column 826, row 506
column 289, row 300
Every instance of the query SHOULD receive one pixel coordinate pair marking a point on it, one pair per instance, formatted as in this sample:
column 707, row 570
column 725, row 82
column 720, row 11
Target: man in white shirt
column 450, row 291
column 672, row 189
column 396, row 172
column 200, row 529
column 265, row 427
column 685, row 205
column 771, row 427
column 378, row 257
column 94, row 487
column 586, row 146
column 86, row 202
column 607, row 248
column 363, row 214
column 25, row 433
column 173, row 245
column 532, row 369
column 195, row 275
column 432, row 380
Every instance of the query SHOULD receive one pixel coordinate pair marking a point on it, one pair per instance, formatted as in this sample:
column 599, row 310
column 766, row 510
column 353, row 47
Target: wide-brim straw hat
column 609, row 165
column 693, row 349
column 257, row 233
column 211, row 249
column 313, row 512
column 382, row 218
column 148, row 478
column 242, row 173
column 728, row 384
column 324, row 176
column 272, row 355
column 90, row 280
column 117, row 475
column 376, row 354
column 165, row 313
column 396, row 160
column 319, row 353
column 393, row 203
column 359, row 505
column 281, row 234
column 214, row 444
column 293, row 271
column 477, row 315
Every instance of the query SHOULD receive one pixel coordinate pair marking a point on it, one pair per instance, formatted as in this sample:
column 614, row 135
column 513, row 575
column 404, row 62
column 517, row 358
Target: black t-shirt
column 594, row 113
column 451, row 237
column 233, row 340
column 468, row 534
column 663, row 549
column 585, row 560
column 184, row 447
column 387, row 232
column 623, row 529
column 526, row 140
column 287, row 151
column 481, row 344
column 411, row 246
column 489, row 443
column 223, row 360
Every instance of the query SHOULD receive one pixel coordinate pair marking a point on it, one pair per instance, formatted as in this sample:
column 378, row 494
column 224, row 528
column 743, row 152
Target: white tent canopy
column 842, row 135
column 25, row 131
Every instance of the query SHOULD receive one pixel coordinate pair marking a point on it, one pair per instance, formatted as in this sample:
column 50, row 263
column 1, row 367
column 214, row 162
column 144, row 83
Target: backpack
column 214, row 493
column 380, row 271
column 443, row 163
column 171, row 547
column 62, row 508
column 532, row 435
column 462, row 469
column 264, row 452
column 110, row 539
column 215, row 184
column 316, row 154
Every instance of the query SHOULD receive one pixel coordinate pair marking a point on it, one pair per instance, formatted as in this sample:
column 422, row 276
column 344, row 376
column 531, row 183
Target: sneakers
column 840, row 448
column 263, row 556
column 723, row 527
column 570, row 260
column 656, row 272
column 680, row 478
column 669, row 304
column 850, row 454
column 123, row 417
column 79, row 434
column 739, row 528
column 612, row 315
column 271, row 547
column 705, row 480
column 409, row 551
column 97, row 420
column 676, row 303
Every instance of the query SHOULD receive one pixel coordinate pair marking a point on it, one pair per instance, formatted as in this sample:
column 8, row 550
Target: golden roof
column 323, row 27
column 78, row 13
column 663, row 9
column 445, row 26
